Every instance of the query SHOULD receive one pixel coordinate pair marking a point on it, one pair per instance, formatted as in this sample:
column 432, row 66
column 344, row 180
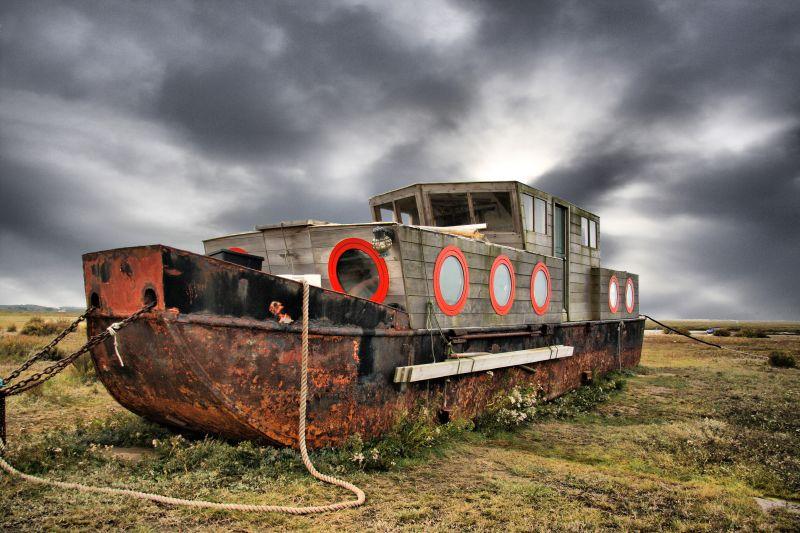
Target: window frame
column 354, row 243
column 498, row 308
column 543, row 203
column 585, row 231
column 629, row 283
column 540, row 310
column 514, row 203
column 593, row 233
column 446, row 308
column 613, row 281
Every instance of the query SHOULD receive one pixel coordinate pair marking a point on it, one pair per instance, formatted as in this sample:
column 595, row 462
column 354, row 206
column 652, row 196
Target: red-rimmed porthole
column 630, row 295
column 613, row 294
column 540, row 288
column 502, row 285
column 355, row 268
column 451, row 280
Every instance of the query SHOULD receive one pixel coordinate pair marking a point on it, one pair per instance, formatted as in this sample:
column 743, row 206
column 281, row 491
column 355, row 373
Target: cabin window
column 584, row 231
column 527, row 211
column 593, row 234
column 386, row 213
column 407, row 208
column 493, row 209
column 629, row 295
column 540, row 288
column 451, row 280
column 355, row 268
column 502, row 285
column 613, row 294
column 540, row 215
column 450, row 209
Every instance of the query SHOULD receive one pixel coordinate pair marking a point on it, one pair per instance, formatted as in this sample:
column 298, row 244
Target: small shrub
column 12, row 328
column 509, row 410
column 38, row 326
column 20, row 347
column 782, row 360
column 751, row 333
column 721, row 332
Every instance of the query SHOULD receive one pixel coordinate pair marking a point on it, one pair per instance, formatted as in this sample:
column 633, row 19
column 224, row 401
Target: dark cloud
column 678, row 122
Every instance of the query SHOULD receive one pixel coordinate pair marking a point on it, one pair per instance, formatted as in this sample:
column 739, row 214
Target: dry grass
column 686, row 445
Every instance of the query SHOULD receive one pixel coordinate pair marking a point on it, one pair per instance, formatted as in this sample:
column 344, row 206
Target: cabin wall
column 582, row 259
column 419, row 250
column 600, row 305
column 251, row 241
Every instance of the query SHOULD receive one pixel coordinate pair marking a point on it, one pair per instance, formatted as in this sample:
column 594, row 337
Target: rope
column 695, row 339
column 112, row 330
column 360, row 496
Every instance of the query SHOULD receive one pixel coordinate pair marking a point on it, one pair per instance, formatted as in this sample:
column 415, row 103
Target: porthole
column 613, row 294
column 451, row 280
column 630, row 299
column 355, row 268
column 502, row 285
column 540, row 288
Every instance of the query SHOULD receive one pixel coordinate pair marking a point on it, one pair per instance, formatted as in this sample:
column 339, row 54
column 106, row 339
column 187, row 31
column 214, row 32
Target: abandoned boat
column 453, row 294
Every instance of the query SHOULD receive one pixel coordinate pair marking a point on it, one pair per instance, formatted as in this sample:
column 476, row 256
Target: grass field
column 692, row 438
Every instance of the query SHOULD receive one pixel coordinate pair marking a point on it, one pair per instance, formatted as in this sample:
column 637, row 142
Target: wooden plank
column 479, row 362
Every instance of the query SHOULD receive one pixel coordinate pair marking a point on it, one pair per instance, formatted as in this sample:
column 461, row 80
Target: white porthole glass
column 629, row 296
column 540, row 288
column 501, row 286
column 451, row 280
column 613, row 295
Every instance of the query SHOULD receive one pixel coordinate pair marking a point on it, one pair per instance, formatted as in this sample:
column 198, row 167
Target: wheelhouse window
column 535, row 213
column 450, row 209
column 584, row 231
column 592, row 233
column 386, row 212
column 493, row 209
column 540, row 215
column 407, row 208
column 527, row 211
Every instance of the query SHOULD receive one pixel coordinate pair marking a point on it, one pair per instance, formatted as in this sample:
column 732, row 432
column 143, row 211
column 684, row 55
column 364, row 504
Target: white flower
column 156, row 442
column 358, row 457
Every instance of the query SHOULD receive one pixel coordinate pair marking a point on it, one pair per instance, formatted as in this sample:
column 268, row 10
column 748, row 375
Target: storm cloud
column 125, row 123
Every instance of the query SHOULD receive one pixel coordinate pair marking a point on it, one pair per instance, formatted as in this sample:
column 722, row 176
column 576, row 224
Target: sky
column 678, row 122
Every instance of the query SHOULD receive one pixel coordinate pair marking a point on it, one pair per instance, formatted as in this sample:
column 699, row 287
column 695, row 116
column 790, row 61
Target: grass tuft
column 38, row 326
column 752, row 333
column 782, row 360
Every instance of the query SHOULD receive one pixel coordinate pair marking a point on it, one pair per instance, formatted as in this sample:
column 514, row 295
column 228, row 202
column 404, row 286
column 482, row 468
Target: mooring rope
column 719, row 346
column 360, row 496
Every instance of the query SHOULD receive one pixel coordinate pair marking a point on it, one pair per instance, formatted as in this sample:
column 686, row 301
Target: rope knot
column 112, row 330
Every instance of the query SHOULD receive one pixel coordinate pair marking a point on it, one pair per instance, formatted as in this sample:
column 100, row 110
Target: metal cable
column 719, row 346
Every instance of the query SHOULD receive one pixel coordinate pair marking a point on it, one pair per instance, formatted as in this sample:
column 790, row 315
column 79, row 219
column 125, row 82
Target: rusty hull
column 210, row 358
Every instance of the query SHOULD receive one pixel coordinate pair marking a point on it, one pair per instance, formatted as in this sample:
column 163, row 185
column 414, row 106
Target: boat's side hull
column 239, row 378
